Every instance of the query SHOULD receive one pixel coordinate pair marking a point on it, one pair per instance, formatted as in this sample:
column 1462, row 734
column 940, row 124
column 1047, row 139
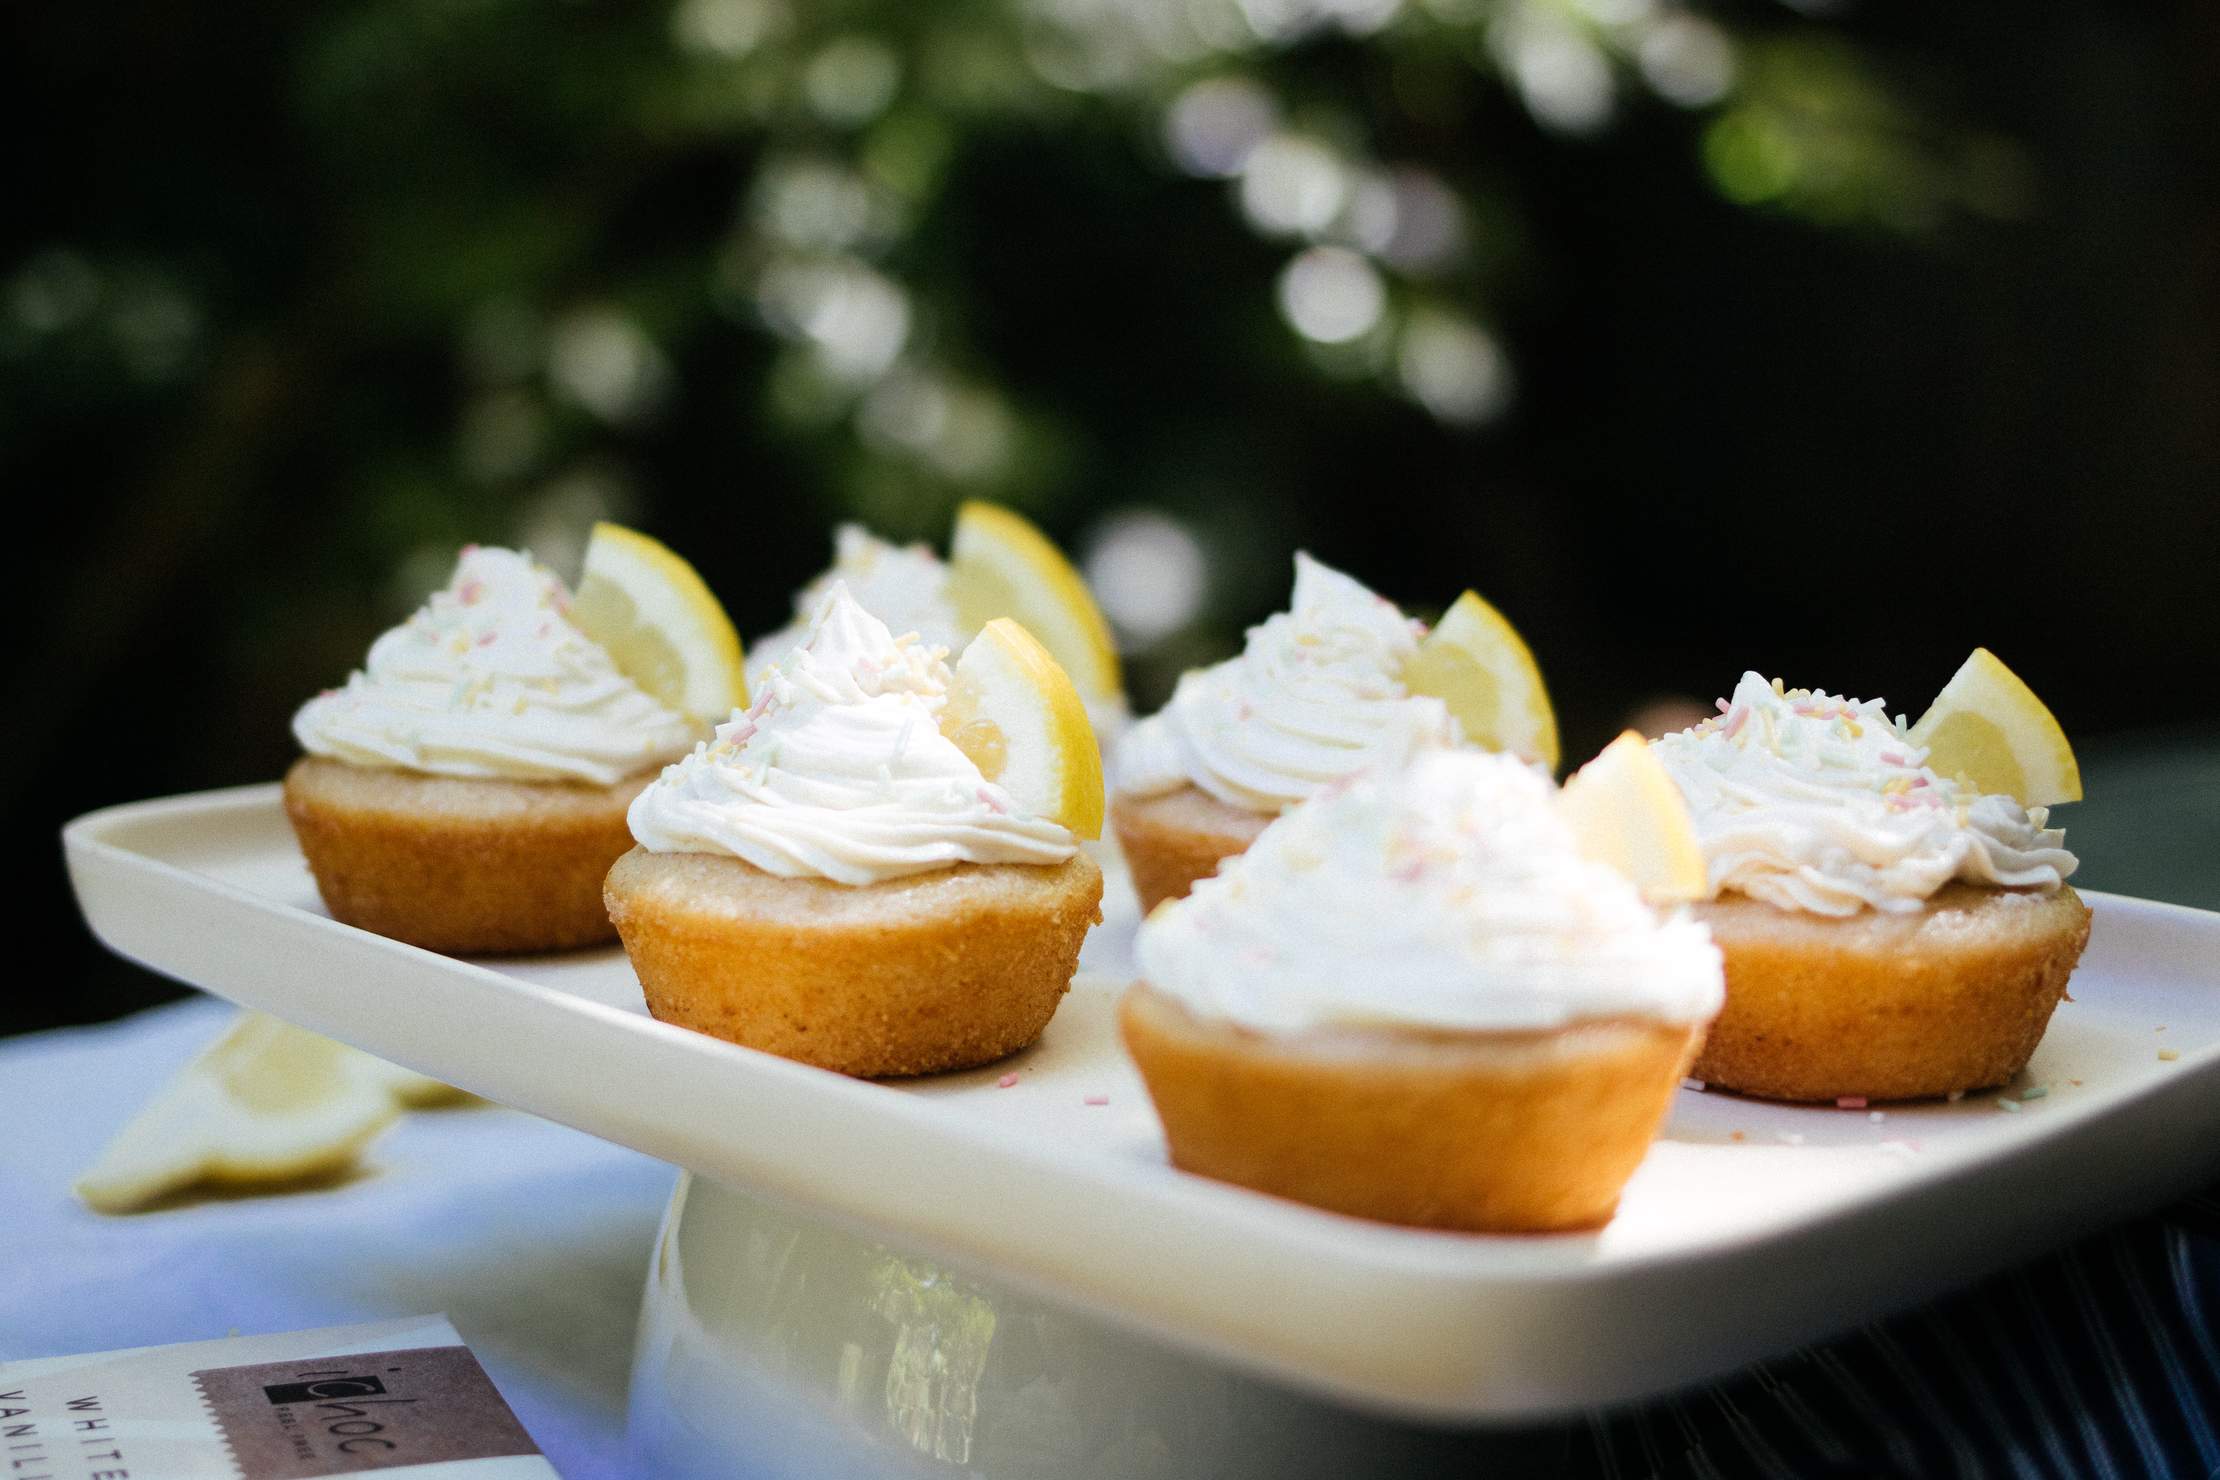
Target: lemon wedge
column 266, row 1102
column 1475, row 662
column 1016, row 714
column 1988, row 727
column 660, row 623
column 1625, row 811
column 1000, row 565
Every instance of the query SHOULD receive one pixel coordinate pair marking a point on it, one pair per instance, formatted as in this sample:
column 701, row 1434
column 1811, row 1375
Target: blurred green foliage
column 776, row 209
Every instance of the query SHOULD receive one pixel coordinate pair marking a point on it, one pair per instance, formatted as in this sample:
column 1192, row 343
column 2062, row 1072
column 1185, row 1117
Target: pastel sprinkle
column 1955, row 1096
column 1006, row 1081
column 1850, row 1102
column 2035, row 1092
column 1097, row 1100
column 2011, row 1105
column 1900, row 1148
column 2169, row 1054
column 1737, row 1136
column 1877, row 1117
column 1691, row 1082
column 1788, row 1138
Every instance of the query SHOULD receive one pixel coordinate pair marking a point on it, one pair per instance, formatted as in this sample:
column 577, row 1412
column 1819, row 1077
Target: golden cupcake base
column 1885, row 1006
column 1172, row 840
column 460, row 865
column 1516, row 1132
column 942, row 970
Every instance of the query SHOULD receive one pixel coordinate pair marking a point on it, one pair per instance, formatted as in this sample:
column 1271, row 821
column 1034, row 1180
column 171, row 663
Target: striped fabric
column 2100, row 1361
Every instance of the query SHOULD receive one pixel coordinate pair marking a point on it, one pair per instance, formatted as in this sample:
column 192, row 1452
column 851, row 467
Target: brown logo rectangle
column 370, row 1411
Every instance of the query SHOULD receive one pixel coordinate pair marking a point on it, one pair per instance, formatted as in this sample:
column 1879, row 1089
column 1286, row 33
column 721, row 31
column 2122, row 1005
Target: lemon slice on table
column 660, row 623
column 1000, row 565
column 266, row 1102
column 1475, row 662
column 1016, row 714
column 1989, row 728
column 1625, row 811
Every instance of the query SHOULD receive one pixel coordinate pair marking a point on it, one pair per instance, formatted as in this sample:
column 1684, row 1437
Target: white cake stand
column 774, row 1343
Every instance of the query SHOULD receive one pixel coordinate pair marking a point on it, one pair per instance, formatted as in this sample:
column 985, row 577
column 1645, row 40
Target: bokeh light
column 1216, row 124
column 1293, row 186
column 1687, row 60
column 1332, row 295
column 1453, row 368
column 602, row 360
column 1148, row 571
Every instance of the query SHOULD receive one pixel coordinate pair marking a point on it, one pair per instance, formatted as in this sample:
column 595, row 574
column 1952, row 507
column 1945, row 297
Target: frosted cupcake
column 465, row 791
column 1413, row 999
column 999, row 565
column 1319, row 693
column 1889, row 932
column 904, row 586
column 837, row 878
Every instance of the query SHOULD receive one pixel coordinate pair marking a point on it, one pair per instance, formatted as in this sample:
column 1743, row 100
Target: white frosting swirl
column 906, row 587
column 1315, row 696
column 490, row 679
column 839, row 770
column 1816, row 803
column 1447, row 895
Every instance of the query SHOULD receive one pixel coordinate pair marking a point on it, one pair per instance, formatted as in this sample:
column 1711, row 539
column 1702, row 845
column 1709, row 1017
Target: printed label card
column 349, row 1400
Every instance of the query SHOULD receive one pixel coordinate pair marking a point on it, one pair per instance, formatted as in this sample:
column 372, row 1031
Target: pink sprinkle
column 1097, row 1100
column 487, row 640
column 1692, row 1082
column 471, row 548
column 1006, row 1081
column 1893, row 759
column 471, row 592
column 1724, row 706
column 1736, row 719
column 992, row 805
column 1850, row 1102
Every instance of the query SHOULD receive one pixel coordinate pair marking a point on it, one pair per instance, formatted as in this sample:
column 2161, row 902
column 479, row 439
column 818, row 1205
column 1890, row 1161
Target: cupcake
column 466, row 790
column 1414, row 999
column 1889, row 932
column 876, row 868
column 999, row 565
column 904, row 586
column 1319, row 693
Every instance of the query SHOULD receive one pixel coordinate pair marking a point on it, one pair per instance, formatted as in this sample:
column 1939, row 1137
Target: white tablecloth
column 532, row 1238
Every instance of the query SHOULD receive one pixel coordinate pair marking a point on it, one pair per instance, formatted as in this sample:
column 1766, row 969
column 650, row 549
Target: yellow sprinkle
column 2169, row 1054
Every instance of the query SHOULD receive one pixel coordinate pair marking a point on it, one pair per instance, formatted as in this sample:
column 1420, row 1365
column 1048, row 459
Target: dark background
column 1906, row 342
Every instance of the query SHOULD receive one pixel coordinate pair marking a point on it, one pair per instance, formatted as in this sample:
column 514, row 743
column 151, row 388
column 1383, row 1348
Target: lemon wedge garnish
column 265, row 1102
column 658, row 620
column 1476, row 663
column 1019, row 718
column 1000, row 565
column 1989, row 728
column 1625, row 811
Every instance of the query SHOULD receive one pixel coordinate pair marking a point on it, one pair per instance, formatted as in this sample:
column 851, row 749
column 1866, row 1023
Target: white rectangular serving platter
column 1750, row 1229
